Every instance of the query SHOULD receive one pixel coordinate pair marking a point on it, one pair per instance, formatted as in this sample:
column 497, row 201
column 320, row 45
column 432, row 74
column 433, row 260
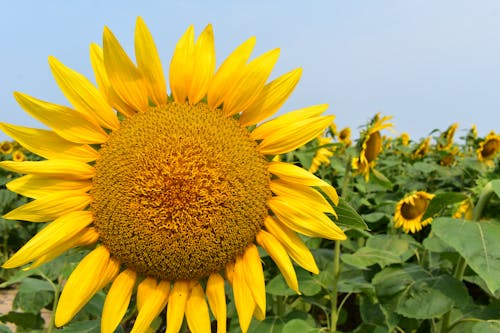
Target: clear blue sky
column 427, row 63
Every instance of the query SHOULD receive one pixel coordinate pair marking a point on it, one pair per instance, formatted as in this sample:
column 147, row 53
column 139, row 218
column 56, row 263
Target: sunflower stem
column 57, row 290
column 333, row 295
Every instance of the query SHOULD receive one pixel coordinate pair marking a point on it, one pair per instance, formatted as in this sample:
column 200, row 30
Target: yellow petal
column 149, row 63
column 203, row 65
column 32, row 186
column 153, row 304
column 279, row 255
column 176, row 305
column 110, row 272
column 243, row 298
column 294, row 135
column 51, row 237
column 299, row 217
column 83, row 95
column 87, row 236
column 126, row 79
column 245, row 91
column 82, row 285
column 276, row 124
column 294, row 246
column 197, row 315
column 217, row 300
column 144, row 289
column 306, row 194
column 117, row 300
column 181, row 66
column 48, row 144
column 294, row 174
column 255, row 277
column 97, row 60
column 230, row 272
column 271, row 98
column 50, row 207
column 61, row 169
column 229, row 73
column 69, row 124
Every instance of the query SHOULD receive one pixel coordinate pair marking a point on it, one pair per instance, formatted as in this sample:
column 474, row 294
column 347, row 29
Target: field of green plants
column 422, row 217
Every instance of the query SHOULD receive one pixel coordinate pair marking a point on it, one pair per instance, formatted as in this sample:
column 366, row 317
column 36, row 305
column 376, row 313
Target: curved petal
column 243, row 298
column 294, row 246
column 145, row 288
column 197, row 315
column 32, row 186
column 61, row 169
column 176, row 305
column 306, row 194
column 48, row 144
column 181, row 66
column 229, row 73
column 127, row 81
column 217, row 300
column 50, row 207
column 83, row 95
column 271, row 98
column 117, row 300
column 82, row 284
column 69, row 124
column 280, row 257
column 51, row 237
column 151, row 307
column 149, row 63
column 255, row 278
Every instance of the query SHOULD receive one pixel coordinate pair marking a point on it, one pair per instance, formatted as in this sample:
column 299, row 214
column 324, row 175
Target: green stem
column 57, row 291
column 484, row 197
column 347, row 178
column 333, row 295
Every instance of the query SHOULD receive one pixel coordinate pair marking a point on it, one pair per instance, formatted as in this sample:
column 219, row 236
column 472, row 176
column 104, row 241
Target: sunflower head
column 345, row 136
column 422, row 149
column 464, row 210
column 174, row 191
column 18, row 156
column 405, row 139
column 445, row 139
column 488, row 148
column 448, row 157
column 6, row 147
column 410, row 210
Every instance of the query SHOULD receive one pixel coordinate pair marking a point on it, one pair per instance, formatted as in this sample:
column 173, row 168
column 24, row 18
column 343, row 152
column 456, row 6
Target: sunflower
column 18, row 156
column 6, row 147
column 322, row 155
column 332, row 130
column 422, row 149
column 445, row 139
column 448, row 157
column 371, row 145
column 345, row 136
column 464, row 210
column 405, row 139
column 488, row 148
column 409, row 212
column 174, row 192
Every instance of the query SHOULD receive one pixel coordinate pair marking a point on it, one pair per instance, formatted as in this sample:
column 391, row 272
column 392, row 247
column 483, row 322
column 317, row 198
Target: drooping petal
column 32, row 186
column 181, row 66
column 294, row 135
column 69, row 124
column 145, row 288
column 149, row 63
column 51, row 237
column 50, row 207
column 117, row 300
column 83, row 95
column 294, row 174
column 125, row 78
column 306, row 194
column 48, row 144
column 254, row 75
column 203, row 65
column 61, row 169
column 110, row 273
column 197, row 315
column 302, row 218
column 243, row 298
column 255, row 278
column 229, row 73
column 279, row 255
column 271, row 98
column 292, row 243
column 152, row 305
column 217, row 300
column 97, row 60
column 176, row 305
column 82, row 284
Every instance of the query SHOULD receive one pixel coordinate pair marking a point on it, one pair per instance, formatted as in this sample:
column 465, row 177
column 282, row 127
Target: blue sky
column 427, row 63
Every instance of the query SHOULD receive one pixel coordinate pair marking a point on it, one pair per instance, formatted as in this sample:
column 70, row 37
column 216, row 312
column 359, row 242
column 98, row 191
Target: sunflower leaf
column 441, row 201
column 348, row 217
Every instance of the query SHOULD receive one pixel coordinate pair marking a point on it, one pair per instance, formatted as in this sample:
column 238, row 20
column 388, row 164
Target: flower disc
column 179, row 192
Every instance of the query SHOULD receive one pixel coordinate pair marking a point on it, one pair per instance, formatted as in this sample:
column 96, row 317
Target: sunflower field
column 422, row 253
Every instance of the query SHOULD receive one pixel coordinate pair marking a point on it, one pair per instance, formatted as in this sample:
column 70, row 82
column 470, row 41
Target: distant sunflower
column 6, row 147
column 345, row 136
column 445, row 140
column 322, row 155
column 448, row 157
column 464, row 210
column 488, row 148
column 370, row 145
column 422, row 149
column 332, row 129
column 176, row 195
column 405, row 139
column 18, row 156
column 409, row 212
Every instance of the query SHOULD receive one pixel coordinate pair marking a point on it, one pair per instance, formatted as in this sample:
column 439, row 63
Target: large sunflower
column 410, row 210
column 178, row 193
column 488, row 148
column 370, row 145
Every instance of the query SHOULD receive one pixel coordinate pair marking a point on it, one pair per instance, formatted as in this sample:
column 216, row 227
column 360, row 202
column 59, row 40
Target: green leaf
column 374, row 313
column 269, row 325
column 308, row 285
column 495, row 184
column 367, row 256
column 299, row 325
column 392, row 280
column 5, row 329
column 90, row 326
column 477, row 327
column 441, row 201
column 477, row 242
column 24, row 320
column 373, row 217
column 381, row 179
column 33, row 295
column 348, row 217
